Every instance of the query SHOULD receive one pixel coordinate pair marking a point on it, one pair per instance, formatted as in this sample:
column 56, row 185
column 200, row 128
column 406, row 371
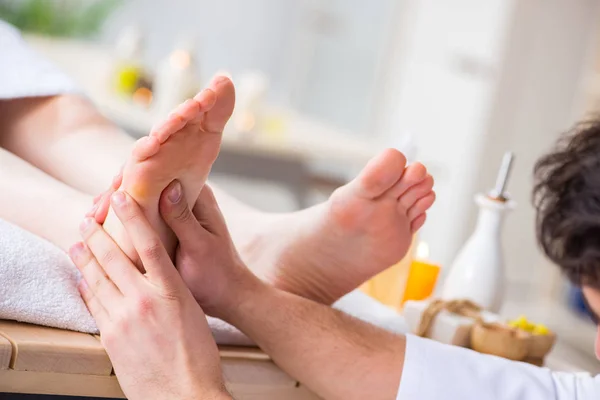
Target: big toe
column 216, row 118
column 380, row 174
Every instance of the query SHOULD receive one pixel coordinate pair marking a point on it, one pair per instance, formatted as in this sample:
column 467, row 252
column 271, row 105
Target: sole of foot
column 365, row 227
column 183, row 147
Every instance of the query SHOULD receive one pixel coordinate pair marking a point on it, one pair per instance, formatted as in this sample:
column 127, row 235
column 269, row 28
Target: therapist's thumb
column 177, row 213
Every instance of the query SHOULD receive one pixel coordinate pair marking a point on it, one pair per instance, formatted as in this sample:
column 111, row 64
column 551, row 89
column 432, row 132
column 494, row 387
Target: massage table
column 41, row 360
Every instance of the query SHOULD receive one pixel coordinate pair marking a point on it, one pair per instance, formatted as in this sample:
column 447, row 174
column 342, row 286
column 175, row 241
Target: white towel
column 23, row 73
column 38, row 285
column 38, row 282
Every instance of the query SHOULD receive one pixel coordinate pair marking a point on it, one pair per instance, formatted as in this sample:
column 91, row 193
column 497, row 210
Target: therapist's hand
column 333, row 354
column 206, row 256
column 154, row 332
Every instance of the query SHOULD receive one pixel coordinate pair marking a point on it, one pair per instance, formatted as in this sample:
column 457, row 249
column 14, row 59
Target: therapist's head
column 567, row 199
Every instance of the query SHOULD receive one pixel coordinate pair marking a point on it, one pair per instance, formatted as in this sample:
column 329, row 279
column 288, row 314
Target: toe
column 145, row 147
column 173, row 123
column 216, row 118
column 421, row 206
column 205, row 100
column 380, row 174
column 418, row 223
column 413, row 175
column 421, row 189
column 188, row 110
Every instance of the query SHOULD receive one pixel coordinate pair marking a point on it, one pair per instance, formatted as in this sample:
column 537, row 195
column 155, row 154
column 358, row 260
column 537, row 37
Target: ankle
column 309, row 289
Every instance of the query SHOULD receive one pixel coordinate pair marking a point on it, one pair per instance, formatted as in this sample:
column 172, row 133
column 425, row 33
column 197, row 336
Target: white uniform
column 433, row 371
column 23, row 73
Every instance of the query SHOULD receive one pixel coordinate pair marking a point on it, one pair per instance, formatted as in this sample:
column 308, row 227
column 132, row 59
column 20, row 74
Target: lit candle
column 422, row 276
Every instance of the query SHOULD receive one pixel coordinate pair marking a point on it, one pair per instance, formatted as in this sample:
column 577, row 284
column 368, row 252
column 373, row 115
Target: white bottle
column 478, row 271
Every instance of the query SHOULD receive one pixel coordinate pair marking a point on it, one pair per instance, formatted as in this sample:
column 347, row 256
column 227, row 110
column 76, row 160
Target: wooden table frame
column 41, row 360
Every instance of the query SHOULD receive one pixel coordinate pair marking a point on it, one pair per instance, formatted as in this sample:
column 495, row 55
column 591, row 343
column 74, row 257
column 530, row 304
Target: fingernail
column 76, row 250
column 93, row 210
column 85, row 224
column 118, row 198
column 175, row 193
column 116, row 182
column 83, row 286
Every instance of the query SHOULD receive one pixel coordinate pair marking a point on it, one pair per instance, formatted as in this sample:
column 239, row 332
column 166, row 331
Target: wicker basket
column 500, row 340
column 540, row 345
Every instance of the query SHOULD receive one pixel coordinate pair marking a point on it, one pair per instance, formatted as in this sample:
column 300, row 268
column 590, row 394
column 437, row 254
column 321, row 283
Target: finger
column 98, row 283
column 177, row 214
column 117, row 180
column 109, row 256
column 92, row 211
column 154, row 256
column 208, row 214
column 104, row 199
column 102, row 207
column 93, row 305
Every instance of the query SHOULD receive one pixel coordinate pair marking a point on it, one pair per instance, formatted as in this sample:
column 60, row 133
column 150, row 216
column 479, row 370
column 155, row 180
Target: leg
column 298, row 251
column 38, row 202
column 65, row 137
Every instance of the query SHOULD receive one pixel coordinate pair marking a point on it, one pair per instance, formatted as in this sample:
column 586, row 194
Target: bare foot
column 184, row 147
column 366, row 226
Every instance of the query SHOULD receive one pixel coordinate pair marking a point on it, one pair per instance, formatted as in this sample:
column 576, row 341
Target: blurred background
column 326, row 84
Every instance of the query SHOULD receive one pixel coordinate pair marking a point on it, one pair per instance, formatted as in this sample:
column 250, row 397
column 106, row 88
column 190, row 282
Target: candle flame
column 422, row 252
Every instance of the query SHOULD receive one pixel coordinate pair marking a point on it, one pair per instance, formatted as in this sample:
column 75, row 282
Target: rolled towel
column 38, row 285
column 38, row 282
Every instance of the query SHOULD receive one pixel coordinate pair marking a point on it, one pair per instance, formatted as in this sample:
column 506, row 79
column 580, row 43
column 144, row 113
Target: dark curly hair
column 567, row 199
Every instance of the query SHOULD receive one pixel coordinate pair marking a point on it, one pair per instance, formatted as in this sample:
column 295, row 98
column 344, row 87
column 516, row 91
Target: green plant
column 81, row 18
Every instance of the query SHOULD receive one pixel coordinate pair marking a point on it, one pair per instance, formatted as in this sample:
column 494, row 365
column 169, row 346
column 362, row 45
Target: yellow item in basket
column 541, row 330
column 523, row 324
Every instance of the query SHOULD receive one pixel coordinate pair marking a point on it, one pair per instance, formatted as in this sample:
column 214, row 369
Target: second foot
column 366, row 226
